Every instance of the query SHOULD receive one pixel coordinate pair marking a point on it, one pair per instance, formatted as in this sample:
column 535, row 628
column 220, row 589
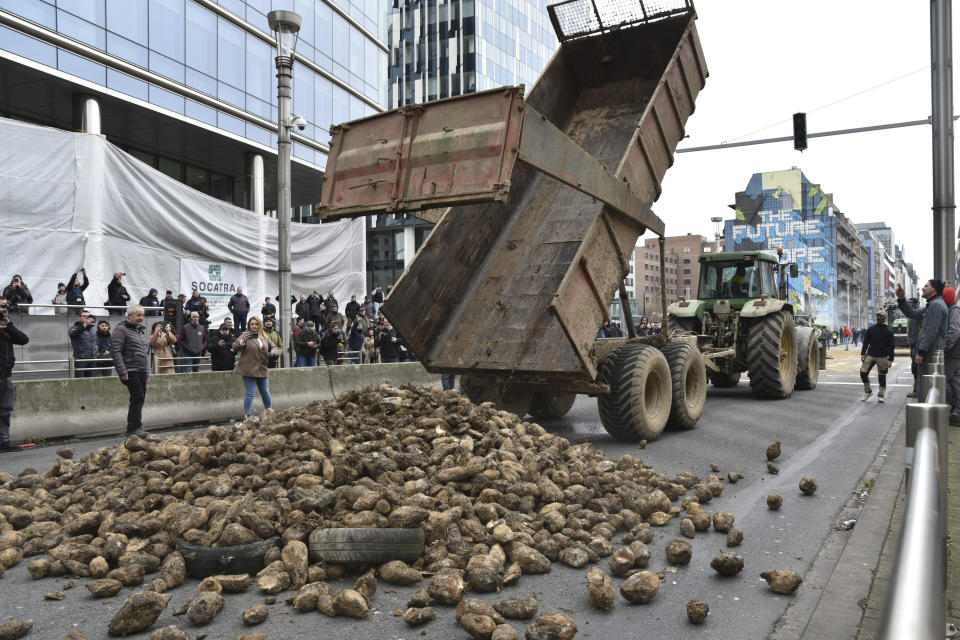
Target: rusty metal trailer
column 547, row 195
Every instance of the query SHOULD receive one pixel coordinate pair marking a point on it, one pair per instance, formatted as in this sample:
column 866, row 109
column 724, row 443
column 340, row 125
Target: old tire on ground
column 210, row 561
column 638, row 405
column 772, row 355
column 688, row 377
column 547, row 405
column 722, row 380
column 808, row 358
column 365, row 545
column 685, row 325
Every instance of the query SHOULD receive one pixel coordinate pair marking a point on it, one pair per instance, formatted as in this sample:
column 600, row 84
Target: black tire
column 547, row 405
column 477, row 393
column 638, row 405
column 722, row 380
column 688, row 376
column 772, row 355
column 684, row 325
column 365, row 545
column 210, row 561
column 808, row 358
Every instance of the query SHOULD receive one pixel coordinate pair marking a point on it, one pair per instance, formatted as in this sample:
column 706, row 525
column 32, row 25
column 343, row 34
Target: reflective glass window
column 231, row 124
column 233, row 6
column 371, row 60
column 356, row 108
column 322, row 37
column 303, row 99
column 167, row 28
column 322, row 109
column 340, row 40
column 91, row 10
column 128, row 18
column 258, row 134
column 230, row 94
column 305, row 9
column 78, row 29
column 200, row 112
column 127, row 84
column 263, row 6
column 258, row 19
column 171, row 168
column 201, row 82
column 130, row 51
column 230, row 54
column 260, row 68
column 28, row 47
column 81, row 67
column 201, row 39
column 198, row 178
column 340, row 106
column 166, row 99
column 221, row 187
column 356, row 52
column 258, row 107
column 166, row 67
column 32, row 10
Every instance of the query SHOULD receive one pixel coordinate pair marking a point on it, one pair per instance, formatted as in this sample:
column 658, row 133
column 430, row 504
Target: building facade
column 445, row 48
column 682, row 271
column 189, row 86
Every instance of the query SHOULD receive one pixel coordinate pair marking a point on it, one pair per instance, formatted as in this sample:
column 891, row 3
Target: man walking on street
column 877, row 350
column 131, row 360
column 9, row 336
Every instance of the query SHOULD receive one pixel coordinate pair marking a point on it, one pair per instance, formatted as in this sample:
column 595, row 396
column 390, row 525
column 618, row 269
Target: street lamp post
column 286, row 27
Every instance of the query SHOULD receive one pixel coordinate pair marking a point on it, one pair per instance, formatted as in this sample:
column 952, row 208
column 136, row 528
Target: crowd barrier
column 86, row 407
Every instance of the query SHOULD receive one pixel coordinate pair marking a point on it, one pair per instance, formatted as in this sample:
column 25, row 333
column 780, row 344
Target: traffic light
column 799, row 131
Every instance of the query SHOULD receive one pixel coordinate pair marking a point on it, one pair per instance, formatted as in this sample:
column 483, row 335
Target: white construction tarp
column 71, row 199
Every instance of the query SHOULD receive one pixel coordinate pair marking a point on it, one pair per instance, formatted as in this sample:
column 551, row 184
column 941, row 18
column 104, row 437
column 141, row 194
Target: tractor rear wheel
column 722, row 380
column 688, row 376
column 772, row 355
column 547, row 405
column 808, row 353
column 638, row 405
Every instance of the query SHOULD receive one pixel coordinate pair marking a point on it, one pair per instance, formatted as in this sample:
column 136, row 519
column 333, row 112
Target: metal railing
column 916, row 596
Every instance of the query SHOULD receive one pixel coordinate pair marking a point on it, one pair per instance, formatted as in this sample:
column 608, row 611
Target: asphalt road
column 827, row 433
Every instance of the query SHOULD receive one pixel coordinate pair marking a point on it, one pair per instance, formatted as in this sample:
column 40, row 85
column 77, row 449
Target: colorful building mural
column 783, row 209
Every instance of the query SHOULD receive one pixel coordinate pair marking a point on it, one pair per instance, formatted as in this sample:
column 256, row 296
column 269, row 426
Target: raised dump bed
column 516, row 277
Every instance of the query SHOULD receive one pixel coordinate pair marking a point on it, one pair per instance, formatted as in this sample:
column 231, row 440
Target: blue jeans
column 306, row 361
column 191, row 364
column 80, row 369
column 251, row 385
column 240, row 321
column 448, row 381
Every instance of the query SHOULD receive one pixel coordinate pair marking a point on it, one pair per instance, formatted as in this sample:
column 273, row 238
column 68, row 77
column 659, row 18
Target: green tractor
column 744, row 323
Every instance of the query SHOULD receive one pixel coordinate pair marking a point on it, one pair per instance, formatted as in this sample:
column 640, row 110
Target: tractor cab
column 739, row 276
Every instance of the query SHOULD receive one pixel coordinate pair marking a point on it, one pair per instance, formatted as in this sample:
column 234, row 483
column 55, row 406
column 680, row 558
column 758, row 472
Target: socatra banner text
column 216, row 281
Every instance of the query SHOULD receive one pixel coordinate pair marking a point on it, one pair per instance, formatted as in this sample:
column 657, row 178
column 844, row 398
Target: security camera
column 299, row 121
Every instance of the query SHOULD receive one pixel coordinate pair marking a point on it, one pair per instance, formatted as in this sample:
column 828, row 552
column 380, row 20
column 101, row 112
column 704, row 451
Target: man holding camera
column 83, row 337
column 9, row 336
column 76, row 286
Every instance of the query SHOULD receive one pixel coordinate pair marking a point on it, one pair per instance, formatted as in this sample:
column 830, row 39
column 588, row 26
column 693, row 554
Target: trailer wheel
column 808, row 353
column 772, row 355
column 722, row 379
column 688, row 376
column 547, row 405
column 477, row 393
column 511, row 400
column 683, row 325
column 638, row 405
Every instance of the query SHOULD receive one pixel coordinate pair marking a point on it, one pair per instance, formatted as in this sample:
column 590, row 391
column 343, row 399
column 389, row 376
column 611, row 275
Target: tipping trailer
column 547, row 195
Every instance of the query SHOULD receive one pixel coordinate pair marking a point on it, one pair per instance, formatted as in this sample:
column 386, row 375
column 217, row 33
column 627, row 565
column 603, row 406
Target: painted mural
column 783, row 209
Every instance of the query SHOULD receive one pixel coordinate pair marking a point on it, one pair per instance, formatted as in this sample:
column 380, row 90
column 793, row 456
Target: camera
column 299, row 122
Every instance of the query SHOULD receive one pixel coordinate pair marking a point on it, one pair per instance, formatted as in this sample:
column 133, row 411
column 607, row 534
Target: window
column 686, row 261
column 230, row 54
column 167, row 28
column 686, row 249
column 201, row 39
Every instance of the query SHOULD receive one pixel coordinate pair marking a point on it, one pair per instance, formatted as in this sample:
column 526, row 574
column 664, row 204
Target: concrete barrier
column 86, row 407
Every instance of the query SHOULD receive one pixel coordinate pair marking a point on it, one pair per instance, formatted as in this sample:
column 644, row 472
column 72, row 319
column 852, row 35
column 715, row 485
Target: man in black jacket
column 83, row 337
column 330, row 344
column 220, row 349
column 9, row 336
column 239, row 306
column 76, row 286
column 117, row 295
column 389, row 347
column 877, row 350
column 151, row 303
column 352, row 309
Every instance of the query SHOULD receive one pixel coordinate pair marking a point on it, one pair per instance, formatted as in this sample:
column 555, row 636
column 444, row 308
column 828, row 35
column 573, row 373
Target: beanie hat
column 194, row 314
column 949, row 295
column 937, row 284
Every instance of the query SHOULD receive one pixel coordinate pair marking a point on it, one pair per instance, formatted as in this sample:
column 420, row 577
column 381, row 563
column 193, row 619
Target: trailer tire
column 365, row 545
column 477, row 393
column 723, row 380
column 210, row 561
column 548, row 405
column 510, row 400
column 638, row 405
column 688, row 377
column 772, row 355
column 808, row 354
column 683, row 325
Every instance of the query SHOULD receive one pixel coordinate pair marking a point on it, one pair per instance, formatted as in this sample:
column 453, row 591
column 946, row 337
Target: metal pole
column 663, row 283
column 941, row 89
column 284, row 77
column 625, row 310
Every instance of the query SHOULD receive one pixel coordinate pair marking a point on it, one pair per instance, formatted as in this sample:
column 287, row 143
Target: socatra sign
column 216, row 281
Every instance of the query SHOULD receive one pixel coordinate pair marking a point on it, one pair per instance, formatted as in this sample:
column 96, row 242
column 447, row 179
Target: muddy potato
column 774, row 501
column 255, row 614
column 622, row 562
column 641, row 587
column 727, row 564
column 701, row 520
column 350, row 603
column 722, row 521
column 480, row 608
column 169, row 633
column 600, row 589
column 517, row 608
column 398, row 572
column 446, row 588
column 554, row 626
column 734, row 537
column 697, row 611
column 504, row 632
column 679, row 551
column 416, row 616
column 479, row 627
column 204, row 608
column 808, row 485
column 15, row 628
column 138, row 613
column 782, row 581
column 687, row 528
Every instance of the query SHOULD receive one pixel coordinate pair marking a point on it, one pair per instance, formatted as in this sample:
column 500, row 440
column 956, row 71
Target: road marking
column 861, row 384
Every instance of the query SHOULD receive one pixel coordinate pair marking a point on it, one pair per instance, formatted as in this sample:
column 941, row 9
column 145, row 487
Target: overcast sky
column 768, row 59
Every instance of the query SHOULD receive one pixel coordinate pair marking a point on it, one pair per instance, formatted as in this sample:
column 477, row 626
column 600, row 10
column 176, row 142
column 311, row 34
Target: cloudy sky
column 846, row 64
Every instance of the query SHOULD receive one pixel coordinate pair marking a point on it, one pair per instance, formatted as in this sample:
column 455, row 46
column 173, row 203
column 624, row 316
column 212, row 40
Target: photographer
column 76, row 286
column 162, row 340
column 83, row 337
column 256, row 350
column 9, row 336
column 222, row 357
column 117, row 295
column 17, row 293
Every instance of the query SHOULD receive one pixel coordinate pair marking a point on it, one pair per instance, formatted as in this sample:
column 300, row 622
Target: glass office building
column 189, row 86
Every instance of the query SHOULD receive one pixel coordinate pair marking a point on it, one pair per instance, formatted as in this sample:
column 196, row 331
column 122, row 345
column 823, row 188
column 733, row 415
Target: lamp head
column 286, row 28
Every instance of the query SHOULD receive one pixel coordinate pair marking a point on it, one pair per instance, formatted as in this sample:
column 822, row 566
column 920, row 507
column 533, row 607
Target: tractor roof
column 738, row 256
